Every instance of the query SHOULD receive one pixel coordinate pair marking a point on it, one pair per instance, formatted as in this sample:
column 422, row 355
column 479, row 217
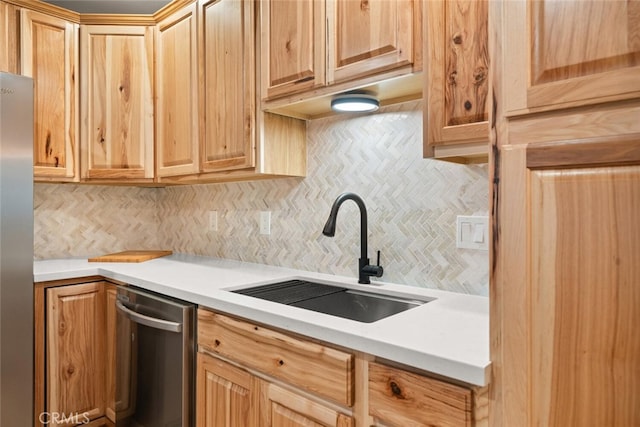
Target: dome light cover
column 355, row 103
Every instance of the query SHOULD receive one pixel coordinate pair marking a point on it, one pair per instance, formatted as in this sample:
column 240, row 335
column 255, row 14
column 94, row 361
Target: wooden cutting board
column 130, row 256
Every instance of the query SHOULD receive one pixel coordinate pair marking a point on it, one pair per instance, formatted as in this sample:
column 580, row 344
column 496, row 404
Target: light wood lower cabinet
column 251, row 375
column 75, row 350
column 226, row 395
column 280, row 407
column 76, row 340
column 401, row 398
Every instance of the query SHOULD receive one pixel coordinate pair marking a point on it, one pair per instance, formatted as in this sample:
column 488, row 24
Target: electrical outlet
column 213, row 220
column 265, row 222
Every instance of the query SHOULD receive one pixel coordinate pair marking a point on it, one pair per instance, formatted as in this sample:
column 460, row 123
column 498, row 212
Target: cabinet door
column 227, row 84
column 567, row 302
column 49, row 55
column 456, row 82
column 571, row 52
column 366, row 37
column 177, row 94
column 585, row 344
column 9, row 38
column 224, row 395
column 76, row 350
column 283, row 408
column 292, row 46
column 117, row 102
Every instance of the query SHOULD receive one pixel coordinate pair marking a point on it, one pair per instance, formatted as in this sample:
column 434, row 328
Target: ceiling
column 146, row 7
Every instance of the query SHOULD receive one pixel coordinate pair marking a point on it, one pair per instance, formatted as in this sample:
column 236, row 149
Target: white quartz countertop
column 448, row 336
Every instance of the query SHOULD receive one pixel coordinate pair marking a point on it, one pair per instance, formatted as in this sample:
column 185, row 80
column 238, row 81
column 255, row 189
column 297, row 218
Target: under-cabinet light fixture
column 354, row 103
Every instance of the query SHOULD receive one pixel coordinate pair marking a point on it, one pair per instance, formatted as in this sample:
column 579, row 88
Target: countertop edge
column 475, row 374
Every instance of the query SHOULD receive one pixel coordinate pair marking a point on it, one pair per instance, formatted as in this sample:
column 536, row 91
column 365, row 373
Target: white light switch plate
column 472, row 232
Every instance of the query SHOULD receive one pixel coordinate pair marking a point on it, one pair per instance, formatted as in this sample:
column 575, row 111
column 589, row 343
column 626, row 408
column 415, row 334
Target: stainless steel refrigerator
column 16, row 250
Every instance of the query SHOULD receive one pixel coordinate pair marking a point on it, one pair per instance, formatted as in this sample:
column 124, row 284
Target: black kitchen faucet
column 364, row 269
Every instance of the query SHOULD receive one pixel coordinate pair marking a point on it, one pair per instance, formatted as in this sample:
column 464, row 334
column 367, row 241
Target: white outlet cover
column 213, row 220
column 265, row 222
column 472, row 232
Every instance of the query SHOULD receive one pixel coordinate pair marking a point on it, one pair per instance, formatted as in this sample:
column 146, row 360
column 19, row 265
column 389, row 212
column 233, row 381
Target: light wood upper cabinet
column 292, row 46
column 49, row 54
column 366, row 37
column 177, row 93
column 568, row 53
column 76, row 345
column 311, row 50
column 9, row 38
column 227, row 62
column 117, row 103
column 456, row 81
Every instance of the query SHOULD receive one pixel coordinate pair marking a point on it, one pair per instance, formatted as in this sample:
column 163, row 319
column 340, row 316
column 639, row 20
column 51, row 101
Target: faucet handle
column 372, row 270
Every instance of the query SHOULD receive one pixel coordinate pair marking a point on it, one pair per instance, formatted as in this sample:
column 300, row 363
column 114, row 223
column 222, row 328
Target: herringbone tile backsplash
column 412, row 205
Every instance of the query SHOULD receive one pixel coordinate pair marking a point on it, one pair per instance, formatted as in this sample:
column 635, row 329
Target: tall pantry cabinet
column 565, row 256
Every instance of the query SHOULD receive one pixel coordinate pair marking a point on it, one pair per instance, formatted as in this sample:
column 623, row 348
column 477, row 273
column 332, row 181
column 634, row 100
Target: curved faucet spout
column 365, row 270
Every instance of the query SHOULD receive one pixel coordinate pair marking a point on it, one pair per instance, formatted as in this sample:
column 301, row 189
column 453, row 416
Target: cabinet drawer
column 322, row 370
column 403, row 398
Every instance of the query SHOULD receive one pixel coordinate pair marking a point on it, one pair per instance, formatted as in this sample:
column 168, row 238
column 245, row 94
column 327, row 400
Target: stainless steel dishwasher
column 155, row 360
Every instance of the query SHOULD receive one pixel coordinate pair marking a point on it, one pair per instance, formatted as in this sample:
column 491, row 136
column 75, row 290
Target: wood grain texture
column 293, row 46
column 111, row 351
column 76, row 349
column 601, row 36
column 177, row 141
column 39, row 353
column 283, row 145
column 227, row 78
column 280, row 407
column 225, row 396
column 593, row 121
column 588, row 152
column 117, row 102
column 367, row 37
column 9, row 38
column 510, row 310
column 287, row 358
column 402, row 398
column 571, row 53
column 466, row 62
column 585, row 302
column 130, row 256
column 48, row 54
column 456, row 83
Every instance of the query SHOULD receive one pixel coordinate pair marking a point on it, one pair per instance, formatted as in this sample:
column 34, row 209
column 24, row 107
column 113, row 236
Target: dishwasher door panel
column 154, row 360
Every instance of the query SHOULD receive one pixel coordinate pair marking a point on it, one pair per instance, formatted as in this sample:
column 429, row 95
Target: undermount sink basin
column 338, row 301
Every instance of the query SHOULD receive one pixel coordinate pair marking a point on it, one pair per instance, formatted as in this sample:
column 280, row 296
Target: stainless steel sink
column 338, row 301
